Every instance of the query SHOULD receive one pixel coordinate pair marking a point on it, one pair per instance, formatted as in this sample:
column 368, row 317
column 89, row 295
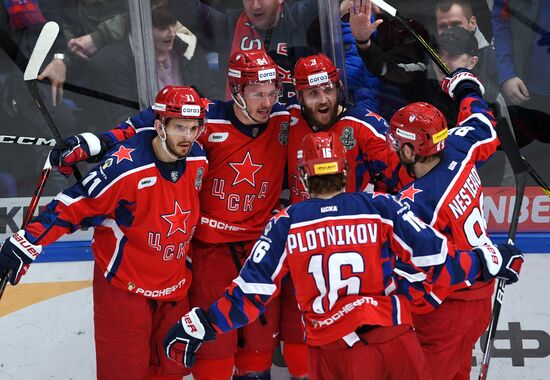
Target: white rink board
column 53, row 339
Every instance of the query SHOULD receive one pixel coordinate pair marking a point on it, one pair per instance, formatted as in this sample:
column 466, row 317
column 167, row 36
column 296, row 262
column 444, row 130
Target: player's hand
column 184, row 338
column 460, row 80
column 16, row 254
column 83, row 147
column 503, row 261
column 360, row 20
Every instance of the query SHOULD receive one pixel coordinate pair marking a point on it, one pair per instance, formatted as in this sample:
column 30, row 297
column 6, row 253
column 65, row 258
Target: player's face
column 260, row 99
column 321, row 104
column 163, row 38
column 180, row 134
column 454, row 17
column 263, row 14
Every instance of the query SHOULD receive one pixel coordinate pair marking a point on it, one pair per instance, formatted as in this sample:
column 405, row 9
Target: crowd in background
column 93, row 61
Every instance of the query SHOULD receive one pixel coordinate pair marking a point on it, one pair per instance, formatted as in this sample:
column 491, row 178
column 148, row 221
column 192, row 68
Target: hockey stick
column 46, row 170
column 437, row 60
column 519, row 167
column 27, row 140
column 43, row 45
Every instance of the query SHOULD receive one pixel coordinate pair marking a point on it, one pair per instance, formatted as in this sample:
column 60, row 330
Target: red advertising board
column 499, row 204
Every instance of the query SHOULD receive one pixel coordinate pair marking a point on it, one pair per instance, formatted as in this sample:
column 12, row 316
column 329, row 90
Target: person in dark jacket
column 273, row 25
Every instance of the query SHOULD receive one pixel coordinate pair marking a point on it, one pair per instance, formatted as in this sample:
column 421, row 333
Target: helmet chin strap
column 239, row 101
column 165, row 147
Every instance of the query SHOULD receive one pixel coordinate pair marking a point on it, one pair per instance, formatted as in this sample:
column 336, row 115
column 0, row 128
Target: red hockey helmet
column 180, row 102
column 251, row 67
column 421, row 125
column 322, row 153
column 313, row 71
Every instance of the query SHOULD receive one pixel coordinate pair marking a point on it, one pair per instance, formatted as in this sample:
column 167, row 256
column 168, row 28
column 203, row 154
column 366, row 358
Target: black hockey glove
column 83, row 147
column 184, row 338
column 503, row 261
column 16, row 254
column 459, row 81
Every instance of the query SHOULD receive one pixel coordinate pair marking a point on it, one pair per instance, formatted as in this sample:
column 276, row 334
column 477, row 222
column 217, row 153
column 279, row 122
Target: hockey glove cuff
column 184, row 338
column 460, row 81
column 16, row 254
column 503, row 261
column 83, row 147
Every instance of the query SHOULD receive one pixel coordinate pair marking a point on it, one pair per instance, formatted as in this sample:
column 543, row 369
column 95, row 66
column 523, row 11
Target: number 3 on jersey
column 328, row 278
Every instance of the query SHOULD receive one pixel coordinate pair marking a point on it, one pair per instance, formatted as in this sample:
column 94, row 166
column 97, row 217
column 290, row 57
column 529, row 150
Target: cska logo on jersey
column 245, row 170
column 409, row 193
column 177, row 220
column 123, row 153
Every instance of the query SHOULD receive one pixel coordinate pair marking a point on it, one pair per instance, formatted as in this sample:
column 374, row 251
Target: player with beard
column 319, row 106
column 246, row 142
column 143, row 201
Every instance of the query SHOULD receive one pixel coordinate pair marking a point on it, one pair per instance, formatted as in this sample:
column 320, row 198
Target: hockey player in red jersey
column 320, row 107
column 246, row 143
column 143, row 201
column 339, row 249
column 447, row 194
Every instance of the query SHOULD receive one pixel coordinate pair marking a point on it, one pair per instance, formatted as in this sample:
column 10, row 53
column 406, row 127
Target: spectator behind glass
column 393, row 55
column 179, row 61
column 273, row 25
column 21, row 22
column 362, row 84
column 449, row 13
column 521, row 35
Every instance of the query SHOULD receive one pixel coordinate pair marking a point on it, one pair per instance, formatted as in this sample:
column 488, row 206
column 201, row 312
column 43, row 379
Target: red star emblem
column 246, row 170
column 123, row 153
column 280, row 214
column 375, row 115
column 177, row 220
column 207, row 103
column 409, row 193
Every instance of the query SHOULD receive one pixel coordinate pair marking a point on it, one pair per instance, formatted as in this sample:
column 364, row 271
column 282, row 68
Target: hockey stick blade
column 45, row 41
column 385, row 7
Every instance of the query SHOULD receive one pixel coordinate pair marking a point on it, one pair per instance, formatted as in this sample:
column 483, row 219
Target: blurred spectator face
column 457, row 47
column 260, row 99
column 321, row 104
column 453, row 62
column 163, row 37
column 455, row 16
column 263, row 14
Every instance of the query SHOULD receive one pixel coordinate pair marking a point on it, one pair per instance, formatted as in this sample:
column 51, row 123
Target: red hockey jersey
column 246, row 173
column 144, row 213
column 340, row 254
column 369, row 159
